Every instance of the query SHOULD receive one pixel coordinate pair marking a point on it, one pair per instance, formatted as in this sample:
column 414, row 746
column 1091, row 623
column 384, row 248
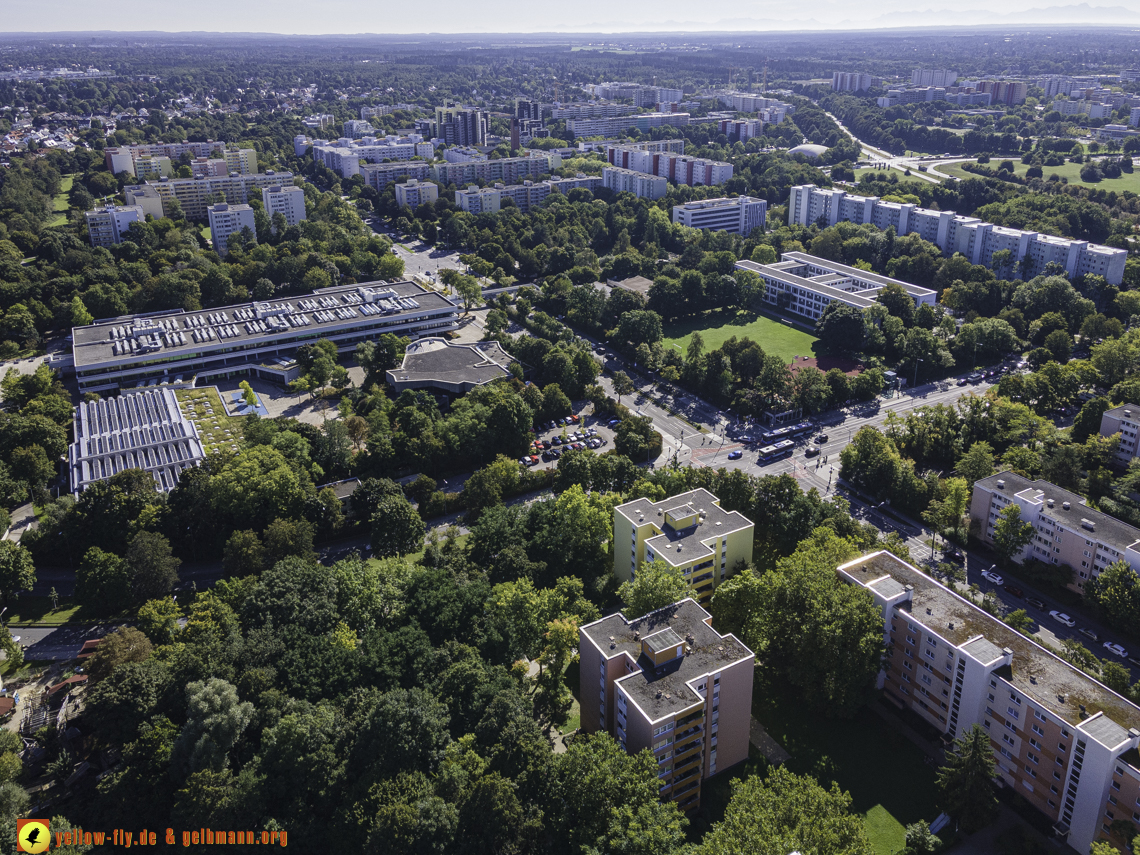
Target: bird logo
column 32, row 835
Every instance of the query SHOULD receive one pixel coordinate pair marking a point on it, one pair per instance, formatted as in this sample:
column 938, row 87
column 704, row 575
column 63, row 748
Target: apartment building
column 194, row 194
column 807, row 285
column 640, row 184
column 975, row 240
column 507, row 170
column 380, row 175
column 209, row 167
column 357, row 128
column 142, row 430
column 528, row 110
column 640, row 94
column 680, row 168
column 609, row 127
column 346, row 156
column 853, row 81
column 739, row 215
column 367, row 113
column 1124, row 420
column 288, row 201
column 740, row 129
column 1065, row 530
column 912, row 96
column 933, row 77
column 413, row 193
column 748, row 102
column 122, row 158
column 670, row 684
column 107, row 226
column 225, row 220
column 457, row 125
column 590, row 110
column 1009, row 92
column 251, row 338
column 1061, row 740
column 150, row 167
column 1115, row 133
column 689, row 532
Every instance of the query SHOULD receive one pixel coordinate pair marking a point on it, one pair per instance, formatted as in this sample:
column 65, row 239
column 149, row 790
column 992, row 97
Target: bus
column 780, row 450
column 789, row 432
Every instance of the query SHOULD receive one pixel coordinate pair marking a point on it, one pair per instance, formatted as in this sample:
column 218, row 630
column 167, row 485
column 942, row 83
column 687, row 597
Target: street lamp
column 915, row 383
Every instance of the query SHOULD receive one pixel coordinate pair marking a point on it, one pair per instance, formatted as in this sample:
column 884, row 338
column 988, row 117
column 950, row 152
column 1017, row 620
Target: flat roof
column 851, row 299
column 855, row 272
column 708, row 652
column 684, row 544
column 329, row 310
column 1124, row 411
column 1107, row 529
column 438, row 360
column 1048, row 680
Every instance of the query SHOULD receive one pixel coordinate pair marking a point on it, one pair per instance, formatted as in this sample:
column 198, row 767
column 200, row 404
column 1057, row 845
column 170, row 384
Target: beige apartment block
column 690, row 532
column 1060, row 739
column 1124, row 420
column 671, row 684
column 1065, row 529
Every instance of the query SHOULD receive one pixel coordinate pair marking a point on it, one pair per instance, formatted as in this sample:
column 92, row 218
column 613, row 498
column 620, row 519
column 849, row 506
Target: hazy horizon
column 450, row 17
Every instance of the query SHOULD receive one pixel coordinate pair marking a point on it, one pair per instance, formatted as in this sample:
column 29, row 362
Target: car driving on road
column 1036, row 603
column 735, row 455
column 1115, row 649
column 991, row 576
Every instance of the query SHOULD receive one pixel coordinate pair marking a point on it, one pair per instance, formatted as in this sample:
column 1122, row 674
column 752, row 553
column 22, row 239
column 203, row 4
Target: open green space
column 60, row 203
column 218, row 430
column 718, row 327
column 1071, row 171
column 886, row 775
column 34, row 609
column 882, row 173
column 416, row 557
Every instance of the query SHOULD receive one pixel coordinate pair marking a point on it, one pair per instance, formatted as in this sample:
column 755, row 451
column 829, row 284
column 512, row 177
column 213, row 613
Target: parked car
column 575, row 419
column 1062, row 618
column 991, row 576
column 954, row 555
column 1013, row 591
column 613, row 423
column 963, row 381
column 1115, row 649
column 1088, row 633
column 1036, row 603
column 735, row 455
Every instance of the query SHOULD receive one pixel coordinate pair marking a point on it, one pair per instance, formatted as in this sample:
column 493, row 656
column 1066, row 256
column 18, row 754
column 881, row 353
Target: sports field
column 718, row 327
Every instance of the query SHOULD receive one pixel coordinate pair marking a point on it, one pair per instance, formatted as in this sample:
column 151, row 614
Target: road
column 904, row 162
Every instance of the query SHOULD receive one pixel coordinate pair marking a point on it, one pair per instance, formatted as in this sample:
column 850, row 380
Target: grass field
column 60, row 204
column 718, row 327
column 1071, row 171
column 889, row 783
column 33, row 609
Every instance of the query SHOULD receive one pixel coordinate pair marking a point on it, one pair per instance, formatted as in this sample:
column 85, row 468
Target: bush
column 1090, row 173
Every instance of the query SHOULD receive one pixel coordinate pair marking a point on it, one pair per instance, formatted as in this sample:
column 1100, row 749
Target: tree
column 920, row 841
column 103, row 581
column 17, row 571
column 956, row 502
column 468, row 289
column 120, row 647
column 216, row 719
column 244, row 554
column 158, row 620
column 841, row 329
column 783, row 813
column 654, row 586
column 622, row 385
column 1010, row 533
column 247, row 393
column 397, row 528
column 1115, row 596
column 977, row 463
column 80, row 317
column 1019, row 620
column 152, row 565
column 284, row 538
column 966, row 782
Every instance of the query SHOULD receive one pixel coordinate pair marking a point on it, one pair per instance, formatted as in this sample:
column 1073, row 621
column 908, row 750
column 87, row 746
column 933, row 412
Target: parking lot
column 578, row 431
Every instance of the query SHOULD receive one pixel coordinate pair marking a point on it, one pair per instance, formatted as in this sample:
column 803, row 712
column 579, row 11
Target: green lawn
column 416, row 557
column 60, row 203
column 33, row 609
column 885, row 774
column 717, row 327
column 1071, row 171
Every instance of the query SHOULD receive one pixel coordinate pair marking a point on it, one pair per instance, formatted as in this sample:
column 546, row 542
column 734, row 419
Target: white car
column 1061, row 617
column 991, row 576
column 1115, row 649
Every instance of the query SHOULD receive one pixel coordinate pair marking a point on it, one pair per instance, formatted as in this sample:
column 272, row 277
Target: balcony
column 689, row 719
column 695, row 745
column 692, row 731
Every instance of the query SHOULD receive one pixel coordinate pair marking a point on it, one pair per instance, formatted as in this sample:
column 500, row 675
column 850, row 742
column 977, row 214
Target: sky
column 593, row 16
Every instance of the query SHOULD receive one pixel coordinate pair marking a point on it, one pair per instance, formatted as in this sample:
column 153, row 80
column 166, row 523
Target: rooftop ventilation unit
column 1087, row 523
column 1001, row 484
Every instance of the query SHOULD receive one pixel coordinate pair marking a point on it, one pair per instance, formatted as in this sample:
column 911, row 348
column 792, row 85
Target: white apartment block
column 640, row 184
column 739, row 215
column 380, row 175
column 225, row 220
column 413, row 193
column 122, row 158
column 620, row 124
column 193, row 194
column 106, row 226
column 741, row 129
column 367, row 113
column 508, row 170
column 1065, row 530
column 288, row 201
column 853, row 81
column 1060, row 739
column 747, row 102
column 933, row 77
column 692, row 171
column 590, row 110
column 357, row 128
column 807, row 285
column 485, row 200
column 975, row 240
column 345, row 156
column 1124, row 420
column 912, row 96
